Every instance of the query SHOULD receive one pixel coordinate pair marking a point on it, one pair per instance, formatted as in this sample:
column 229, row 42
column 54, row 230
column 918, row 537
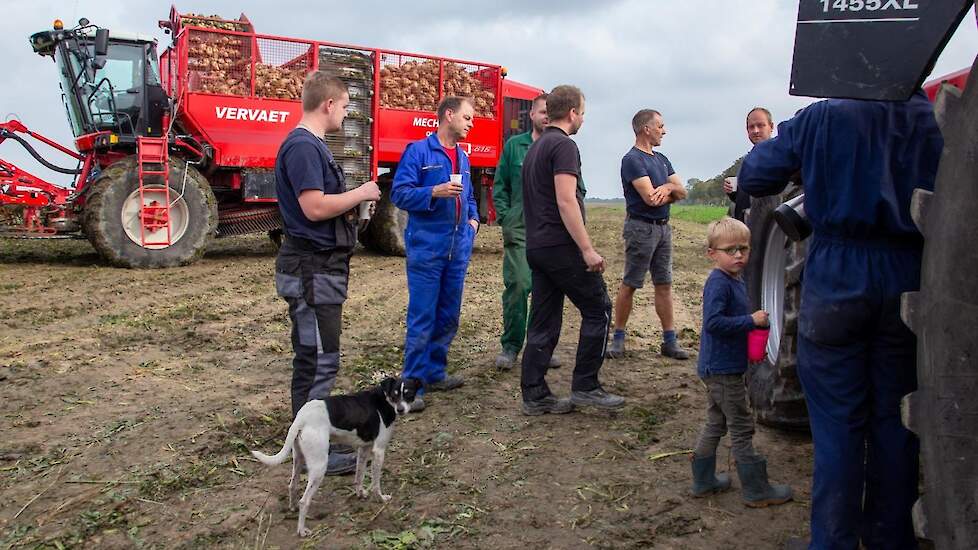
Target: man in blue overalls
column 443, row 219
column 860, row 162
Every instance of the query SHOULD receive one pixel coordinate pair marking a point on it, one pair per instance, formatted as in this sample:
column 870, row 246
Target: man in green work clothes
column 507, row 194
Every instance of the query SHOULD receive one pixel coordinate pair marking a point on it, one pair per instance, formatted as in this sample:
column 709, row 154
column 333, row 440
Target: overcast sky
column 702, row 63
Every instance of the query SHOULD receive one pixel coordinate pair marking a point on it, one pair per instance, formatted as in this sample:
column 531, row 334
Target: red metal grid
column 218, row 63
column 409, row 82
column 477, row 82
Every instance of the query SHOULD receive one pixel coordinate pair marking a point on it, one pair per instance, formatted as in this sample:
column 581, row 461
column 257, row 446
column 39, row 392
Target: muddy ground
column 129, row 400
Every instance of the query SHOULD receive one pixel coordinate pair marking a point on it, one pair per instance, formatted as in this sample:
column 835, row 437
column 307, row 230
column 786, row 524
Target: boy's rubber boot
column 756, row 490
column 705, row 479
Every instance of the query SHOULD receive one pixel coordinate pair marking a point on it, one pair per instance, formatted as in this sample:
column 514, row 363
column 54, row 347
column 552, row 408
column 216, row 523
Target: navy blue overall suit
column 860, row 162
column 438, row 241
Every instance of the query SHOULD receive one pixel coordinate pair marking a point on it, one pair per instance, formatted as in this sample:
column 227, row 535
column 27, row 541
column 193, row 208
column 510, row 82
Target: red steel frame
column 18, row 187
column 388, row 123
column 957, row 78
column 153, row 216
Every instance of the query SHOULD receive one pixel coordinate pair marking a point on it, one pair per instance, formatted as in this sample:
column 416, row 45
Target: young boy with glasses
column 722, row 364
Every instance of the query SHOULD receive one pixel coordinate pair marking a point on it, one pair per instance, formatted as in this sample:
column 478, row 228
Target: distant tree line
column 711, row 191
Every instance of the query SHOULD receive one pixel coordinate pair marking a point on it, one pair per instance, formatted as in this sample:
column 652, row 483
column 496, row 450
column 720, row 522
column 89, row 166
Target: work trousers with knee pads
column 314, row 283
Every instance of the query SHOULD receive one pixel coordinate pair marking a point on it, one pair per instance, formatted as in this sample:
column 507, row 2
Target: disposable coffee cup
column 733, row 184
column 365, row 210
column 456, row 178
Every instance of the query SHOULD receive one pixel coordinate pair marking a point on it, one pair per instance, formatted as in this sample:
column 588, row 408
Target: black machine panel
column 870, row 49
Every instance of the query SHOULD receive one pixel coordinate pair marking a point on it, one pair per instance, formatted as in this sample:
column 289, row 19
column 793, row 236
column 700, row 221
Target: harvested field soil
column 130, row 399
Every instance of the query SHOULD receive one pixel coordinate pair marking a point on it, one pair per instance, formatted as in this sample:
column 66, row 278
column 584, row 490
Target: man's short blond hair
column 726, row 228
column 320, row 86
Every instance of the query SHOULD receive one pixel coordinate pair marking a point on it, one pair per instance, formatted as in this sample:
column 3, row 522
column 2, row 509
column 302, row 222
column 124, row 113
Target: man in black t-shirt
column 313, row 265
column 563, row 263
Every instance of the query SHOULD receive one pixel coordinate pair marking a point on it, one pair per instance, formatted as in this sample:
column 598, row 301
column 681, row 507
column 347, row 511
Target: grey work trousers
column 727, row 409
column 314, row 283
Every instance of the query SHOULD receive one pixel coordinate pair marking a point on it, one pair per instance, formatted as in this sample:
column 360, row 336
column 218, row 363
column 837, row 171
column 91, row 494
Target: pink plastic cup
column 757, row 344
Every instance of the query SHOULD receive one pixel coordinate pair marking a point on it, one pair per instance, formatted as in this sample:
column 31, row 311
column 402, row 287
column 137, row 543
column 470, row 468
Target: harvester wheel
column 943, row 412
column 385, row 232
column 112, row 216
column 773, row 278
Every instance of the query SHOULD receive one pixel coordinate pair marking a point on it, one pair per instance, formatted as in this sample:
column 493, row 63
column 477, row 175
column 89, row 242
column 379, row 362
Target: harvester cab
column 110, row 82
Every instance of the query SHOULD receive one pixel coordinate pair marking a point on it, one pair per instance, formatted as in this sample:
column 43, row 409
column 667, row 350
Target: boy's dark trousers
column 727, row 410
column 559, row 271
column 313, row 281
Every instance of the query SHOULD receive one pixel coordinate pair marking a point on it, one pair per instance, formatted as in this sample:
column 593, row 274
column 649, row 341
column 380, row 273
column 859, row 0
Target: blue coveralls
column 860, row 162
column 438, row 241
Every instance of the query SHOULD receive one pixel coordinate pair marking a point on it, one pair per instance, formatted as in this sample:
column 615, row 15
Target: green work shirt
column 507, row 188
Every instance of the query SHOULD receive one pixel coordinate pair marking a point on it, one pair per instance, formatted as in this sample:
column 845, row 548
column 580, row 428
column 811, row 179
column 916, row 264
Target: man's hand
column 447, row 190
column 729, row 185
column 370, row 191
column 593, row 260
column 660, row 195
column 474, row 224
column 760, row 319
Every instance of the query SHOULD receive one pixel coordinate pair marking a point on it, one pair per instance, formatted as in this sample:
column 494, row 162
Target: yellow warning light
column 58, row 25
column 504, row 71
column 113, row 139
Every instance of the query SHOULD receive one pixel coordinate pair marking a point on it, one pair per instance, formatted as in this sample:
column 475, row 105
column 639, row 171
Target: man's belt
column 306, row 245
column 661, row 221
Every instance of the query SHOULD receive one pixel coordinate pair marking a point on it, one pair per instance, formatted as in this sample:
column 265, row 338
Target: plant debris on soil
column 130, row 401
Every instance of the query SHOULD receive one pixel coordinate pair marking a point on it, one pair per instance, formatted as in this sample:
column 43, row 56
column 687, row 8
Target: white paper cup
column 733, row 184
column 456, row 178
column 365, row 210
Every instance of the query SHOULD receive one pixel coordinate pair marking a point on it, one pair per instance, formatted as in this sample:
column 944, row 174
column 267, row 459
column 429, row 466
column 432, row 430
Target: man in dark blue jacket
column 313, row 265
column 443, row 219
column 860, row 161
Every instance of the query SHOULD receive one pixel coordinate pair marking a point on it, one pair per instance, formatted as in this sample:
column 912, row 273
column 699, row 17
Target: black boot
column 342, row 460
column 757, row 492
column 705, row 479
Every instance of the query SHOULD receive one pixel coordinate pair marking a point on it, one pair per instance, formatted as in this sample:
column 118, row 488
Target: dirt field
column 130, row 399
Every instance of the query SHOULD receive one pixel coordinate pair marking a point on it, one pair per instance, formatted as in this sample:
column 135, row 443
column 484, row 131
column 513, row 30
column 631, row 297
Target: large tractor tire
column 773, row 279
column 385, row 232
column 111, row 220
column 943, row 412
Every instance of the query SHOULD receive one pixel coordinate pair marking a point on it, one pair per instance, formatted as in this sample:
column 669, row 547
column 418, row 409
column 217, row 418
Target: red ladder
column 153, row 160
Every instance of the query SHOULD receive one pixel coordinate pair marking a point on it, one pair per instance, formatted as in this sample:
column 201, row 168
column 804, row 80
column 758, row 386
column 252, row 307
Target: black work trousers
column 313, row 282
column 559, row 271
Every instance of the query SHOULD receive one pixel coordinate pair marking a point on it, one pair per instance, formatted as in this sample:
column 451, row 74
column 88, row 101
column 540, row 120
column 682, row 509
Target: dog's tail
column 289, row 441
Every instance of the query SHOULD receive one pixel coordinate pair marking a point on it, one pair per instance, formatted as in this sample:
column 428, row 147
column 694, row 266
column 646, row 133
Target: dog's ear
column 388, row 384
column 414, row 383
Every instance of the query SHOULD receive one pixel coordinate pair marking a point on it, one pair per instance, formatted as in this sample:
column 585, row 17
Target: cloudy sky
column 702, row 63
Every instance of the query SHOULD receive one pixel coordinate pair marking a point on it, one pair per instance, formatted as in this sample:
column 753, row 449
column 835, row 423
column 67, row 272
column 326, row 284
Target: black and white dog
column 364, row 420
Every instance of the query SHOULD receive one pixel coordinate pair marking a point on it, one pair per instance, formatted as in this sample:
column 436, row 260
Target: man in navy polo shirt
column 650, row 186
column 319, row 217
